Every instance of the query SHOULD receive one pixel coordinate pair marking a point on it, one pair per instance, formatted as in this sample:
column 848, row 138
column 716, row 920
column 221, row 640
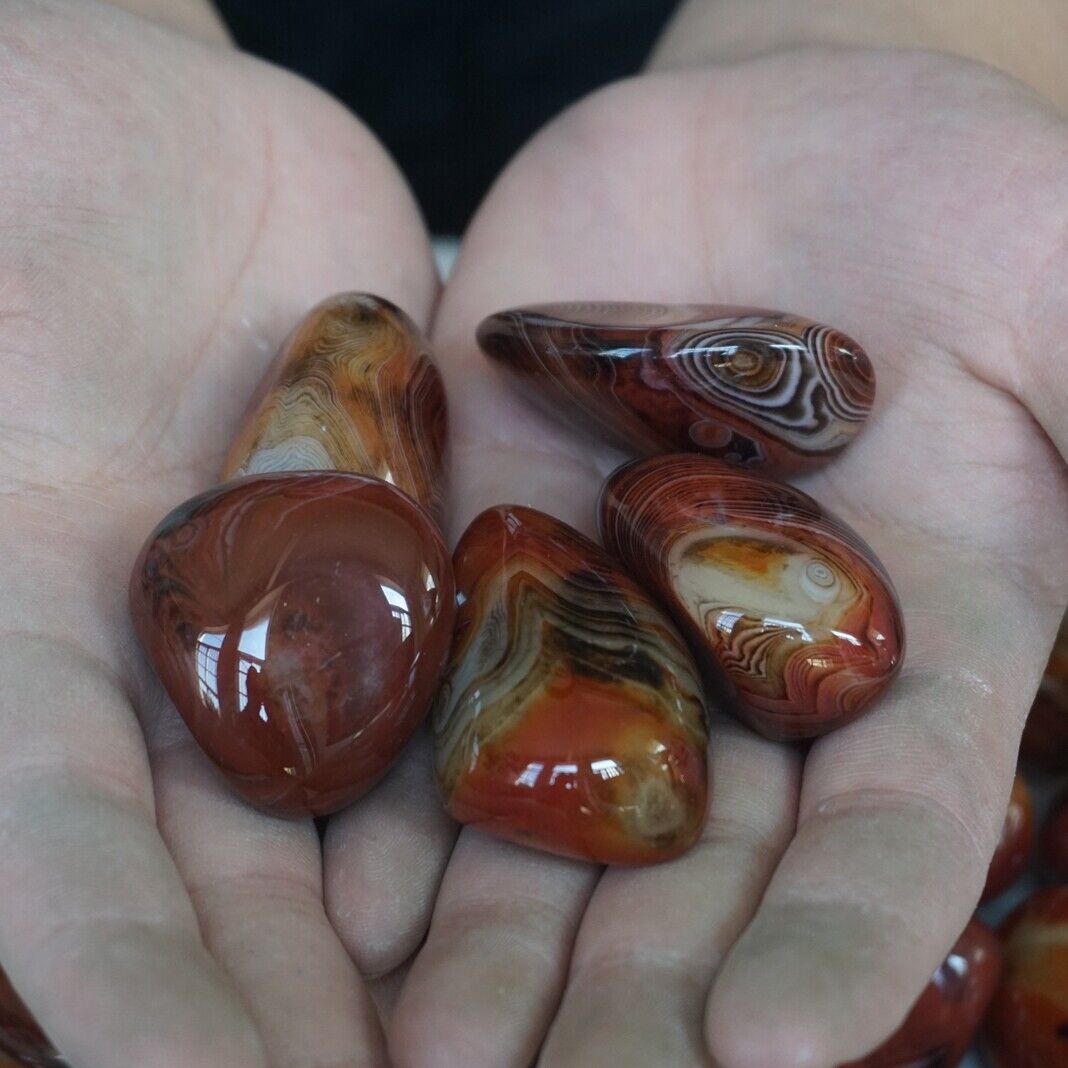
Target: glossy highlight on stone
column 21, row 1036
column 789, row 613
column 353, row 389
column 757, row 388
column 300, row 623
column 940, row 1026
column 1014, row 848
column 1027, row 1024
column 1045, row 738
column 1055, row 838
column 571, row 717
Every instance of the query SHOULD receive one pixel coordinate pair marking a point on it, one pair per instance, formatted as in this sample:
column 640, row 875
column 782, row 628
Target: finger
column 384, row 861
column 256, row 884
column 651, row 939
column 899, row 815
column 484, row 986
column 97, row 932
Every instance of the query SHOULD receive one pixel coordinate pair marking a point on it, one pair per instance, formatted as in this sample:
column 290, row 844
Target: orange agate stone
column 1016, row 843
column 571, row 717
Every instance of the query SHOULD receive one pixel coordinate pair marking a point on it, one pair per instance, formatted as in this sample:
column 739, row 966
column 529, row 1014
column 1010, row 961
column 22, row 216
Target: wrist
column 1025, row 38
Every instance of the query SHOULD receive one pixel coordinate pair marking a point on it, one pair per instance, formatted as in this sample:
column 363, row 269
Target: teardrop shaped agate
column 756, row 388
column 571, row 717
column 789, row 613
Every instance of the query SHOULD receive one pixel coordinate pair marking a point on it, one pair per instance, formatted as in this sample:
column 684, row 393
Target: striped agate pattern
column 790, row 614
column 571, row 716
column 756, row 388
column 352, row 389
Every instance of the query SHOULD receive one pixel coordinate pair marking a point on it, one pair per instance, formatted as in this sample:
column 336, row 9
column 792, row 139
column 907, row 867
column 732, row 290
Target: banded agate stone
column 761, row 389
column 21, row 1037
column 352, row 389
column 1027, row 1023
column 939, row 1028
column 789, row 613
column 571, row 716
column 300, row 624
column 1014, row 847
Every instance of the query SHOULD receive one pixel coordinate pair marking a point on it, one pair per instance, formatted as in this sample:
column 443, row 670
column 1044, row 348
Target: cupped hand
column 168, row 210
column 916, row 202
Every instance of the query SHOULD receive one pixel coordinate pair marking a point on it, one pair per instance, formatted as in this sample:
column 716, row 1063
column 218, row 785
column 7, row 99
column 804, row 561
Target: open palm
column 906, row 199
column 167, row 211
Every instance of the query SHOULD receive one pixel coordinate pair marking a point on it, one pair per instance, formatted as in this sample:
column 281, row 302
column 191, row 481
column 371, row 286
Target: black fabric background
column 452, row 88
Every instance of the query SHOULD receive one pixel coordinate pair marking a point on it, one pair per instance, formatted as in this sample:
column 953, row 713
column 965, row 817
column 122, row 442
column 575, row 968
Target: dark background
column 453, row 88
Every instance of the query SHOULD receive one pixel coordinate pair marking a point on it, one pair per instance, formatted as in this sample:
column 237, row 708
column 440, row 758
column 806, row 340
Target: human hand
column 916, row 202
column 168, row 210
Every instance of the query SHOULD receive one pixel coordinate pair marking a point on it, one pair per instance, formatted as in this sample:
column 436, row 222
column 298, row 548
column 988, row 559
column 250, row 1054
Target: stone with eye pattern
column 21, row 1037
column 571, row 717
column 353, row 389
column 789, row 613
column 761, row 389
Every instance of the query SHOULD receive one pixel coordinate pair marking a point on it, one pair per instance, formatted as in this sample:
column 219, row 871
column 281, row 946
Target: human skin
column 915, row 200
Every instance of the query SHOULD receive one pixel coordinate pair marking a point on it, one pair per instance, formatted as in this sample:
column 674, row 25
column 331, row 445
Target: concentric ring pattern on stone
column 300, row 624
column 571, row 717
column 756, row 388
column 352, row 389
column 788, row 611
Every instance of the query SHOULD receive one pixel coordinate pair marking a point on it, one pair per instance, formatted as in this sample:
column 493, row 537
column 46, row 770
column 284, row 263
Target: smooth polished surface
column 1055, row 838
column 1027, row 1024
column 790, row 614
column 758, row 388
column 571, row 717
column 940, row 1026
column 20, row 1036
column 353, row 389
column 1045, row 738
column 1016, row 843
column 300, row 624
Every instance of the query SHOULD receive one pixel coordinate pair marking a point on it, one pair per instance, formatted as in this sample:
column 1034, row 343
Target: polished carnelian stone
column 571, row 717
column 1045, row 738
column 758, row 388
column 789, row 613
column 1027, row 1025
column 1016, row 843
column 300, row 623
column 1055, row 838
column 940, row 1026
column 352, row 389
column 20, row 1035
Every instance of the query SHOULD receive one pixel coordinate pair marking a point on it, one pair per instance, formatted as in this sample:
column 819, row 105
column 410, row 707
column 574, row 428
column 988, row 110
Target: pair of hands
column 168, row 209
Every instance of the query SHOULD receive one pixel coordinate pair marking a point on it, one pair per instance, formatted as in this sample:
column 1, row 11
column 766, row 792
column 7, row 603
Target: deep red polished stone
column 1045, row 738
column 20, row 1035
column 352, row 389
column 1027, row 1024
column 1016, row 843
column 940, row 1026
column 758, row 388
column 1055, row 838
column 571, row 716
column 788, row 611
column 300, row 623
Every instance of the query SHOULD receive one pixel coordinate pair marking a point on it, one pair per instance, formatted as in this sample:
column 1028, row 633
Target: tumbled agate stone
column 1013, row 852
column 21, row 1038
column 761, row 389
column 1055, row 838
column 352, row 389
column 1045, row 738
column 571, row 717
column 1027, row 1024
column 790, row 614
column 939, row 1028
column 300, row 624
